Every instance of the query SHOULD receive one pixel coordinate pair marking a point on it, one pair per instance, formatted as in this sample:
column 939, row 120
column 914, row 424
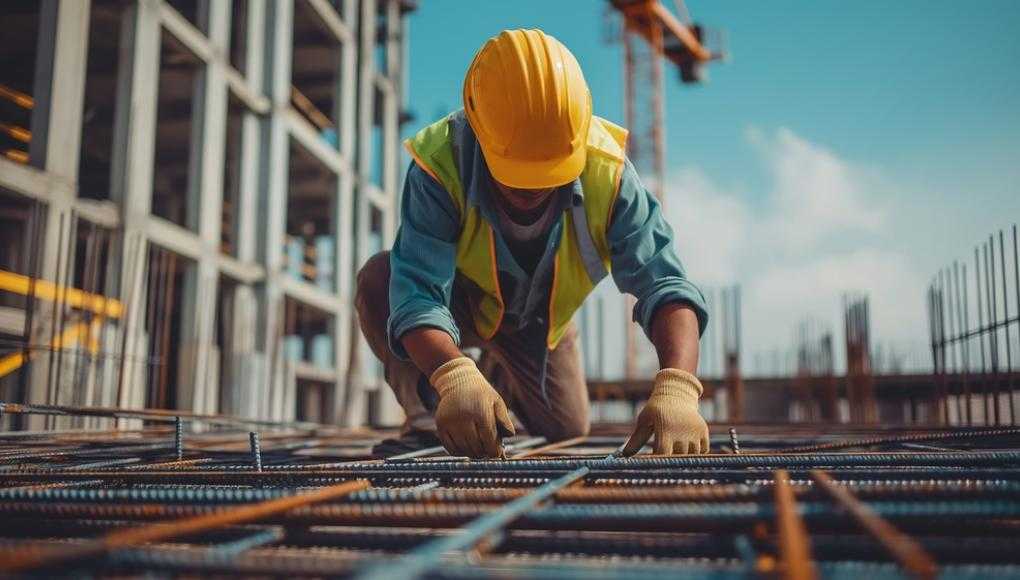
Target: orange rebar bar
column 914, row 559
column 35, row 557
column 794, row 546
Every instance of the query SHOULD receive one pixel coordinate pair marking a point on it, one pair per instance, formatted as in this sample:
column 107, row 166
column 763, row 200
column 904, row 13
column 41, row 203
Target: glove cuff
column 452, row 374
column 677, row 383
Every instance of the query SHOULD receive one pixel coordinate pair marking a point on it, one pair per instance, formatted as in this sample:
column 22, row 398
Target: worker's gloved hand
column 469, row 411
column 671, row 414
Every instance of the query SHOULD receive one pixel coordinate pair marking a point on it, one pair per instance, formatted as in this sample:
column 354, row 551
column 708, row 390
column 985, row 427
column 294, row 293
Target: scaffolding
column 215, row 170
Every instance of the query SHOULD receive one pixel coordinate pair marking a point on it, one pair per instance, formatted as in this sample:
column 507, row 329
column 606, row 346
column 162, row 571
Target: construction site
column 188, row 190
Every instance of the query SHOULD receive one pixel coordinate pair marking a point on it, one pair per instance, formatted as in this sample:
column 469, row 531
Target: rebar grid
column 201, row 499
column 974, row 341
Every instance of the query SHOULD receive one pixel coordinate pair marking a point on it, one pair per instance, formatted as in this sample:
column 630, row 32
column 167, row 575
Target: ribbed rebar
column 911, row 437
column 822, row 460
column 179, row 438
column 33, row 558
column 256, row 451
column 734, row 442
column 630, row 514
column 559, row 516
column 61, row 492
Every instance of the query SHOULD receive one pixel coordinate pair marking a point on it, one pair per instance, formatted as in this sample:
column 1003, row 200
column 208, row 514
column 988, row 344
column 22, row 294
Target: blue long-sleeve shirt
column 422, row 262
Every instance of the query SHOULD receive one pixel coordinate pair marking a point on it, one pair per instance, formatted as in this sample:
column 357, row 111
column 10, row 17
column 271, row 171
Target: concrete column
column 198, row 384
column 131, row 182
column 56, row 137
column 273, row 187
column 243, row 356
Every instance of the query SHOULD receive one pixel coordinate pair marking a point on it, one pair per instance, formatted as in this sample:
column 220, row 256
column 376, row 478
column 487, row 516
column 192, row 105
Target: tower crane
column 651, row 34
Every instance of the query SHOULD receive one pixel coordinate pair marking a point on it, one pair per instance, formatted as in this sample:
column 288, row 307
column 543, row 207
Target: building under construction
column 204, row 176
column 187, row 188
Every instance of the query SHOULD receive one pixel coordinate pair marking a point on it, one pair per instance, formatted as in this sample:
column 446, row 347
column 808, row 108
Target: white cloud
column 712, row 225
column 818, row 231
column 815, row 194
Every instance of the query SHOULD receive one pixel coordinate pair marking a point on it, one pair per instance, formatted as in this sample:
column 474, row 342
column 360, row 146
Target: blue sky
column 845, row 145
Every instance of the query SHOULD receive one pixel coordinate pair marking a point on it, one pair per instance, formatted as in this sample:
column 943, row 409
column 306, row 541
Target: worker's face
column 524, row 199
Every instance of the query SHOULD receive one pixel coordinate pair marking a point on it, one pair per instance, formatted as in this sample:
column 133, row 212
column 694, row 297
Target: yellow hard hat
column 529, row 106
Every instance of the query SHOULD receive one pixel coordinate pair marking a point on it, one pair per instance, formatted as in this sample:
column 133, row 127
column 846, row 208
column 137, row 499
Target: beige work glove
column 469, row 410
column 671, row 414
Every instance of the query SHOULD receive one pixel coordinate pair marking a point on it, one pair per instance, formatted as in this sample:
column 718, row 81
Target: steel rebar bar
column 902, row 547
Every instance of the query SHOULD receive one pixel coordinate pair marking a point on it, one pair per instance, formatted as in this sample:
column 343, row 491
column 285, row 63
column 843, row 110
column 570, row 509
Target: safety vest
column 582, row 257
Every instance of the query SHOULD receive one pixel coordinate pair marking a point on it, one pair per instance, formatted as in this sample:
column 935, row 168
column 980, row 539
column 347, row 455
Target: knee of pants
column 372, row 289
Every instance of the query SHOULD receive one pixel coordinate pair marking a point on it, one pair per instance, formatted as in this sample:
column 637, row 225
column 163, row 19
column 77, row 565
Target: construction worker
column 513, row 209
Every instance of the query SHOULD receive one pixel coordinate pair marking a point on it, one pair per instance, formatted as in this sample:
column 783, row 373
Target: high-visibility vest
column 582, row 258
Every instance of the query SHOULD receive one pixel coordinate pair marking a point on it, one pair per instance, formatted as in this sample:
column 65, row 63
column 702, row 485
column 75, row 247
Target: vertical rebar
column 256, row 450
column 993, row 347
column 734, row 442
column 942, row 399
column 179, row 438
column 951, row 302
column 1005, row 327
column 1016, row 288
column 961, row 337
column 966, row 331
column 933, row 340
column 980, row 331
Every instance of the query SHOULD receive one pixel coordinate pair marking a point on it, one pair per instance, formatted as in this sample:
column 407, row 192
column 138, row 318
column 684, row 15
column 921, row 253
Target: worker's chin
column 525, row 205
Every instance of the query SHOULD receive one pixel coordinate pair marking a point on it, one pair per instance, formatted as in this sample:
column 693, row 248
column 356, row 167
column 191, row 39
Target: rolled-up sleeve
column 644, row 258
column 423, row 260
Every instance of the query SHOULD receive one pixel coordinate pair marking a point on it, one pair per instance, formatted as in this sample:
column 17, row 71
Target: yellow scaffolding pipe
column 44, row 290
column 69, row 338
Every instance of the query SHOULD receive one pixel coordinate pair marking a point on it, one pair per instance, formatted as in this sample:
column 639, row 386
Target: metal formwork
column 241, row 498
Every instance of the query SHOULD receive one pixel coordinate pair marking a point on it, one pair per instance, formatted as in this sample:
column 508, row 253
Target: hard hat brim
column 535, row 174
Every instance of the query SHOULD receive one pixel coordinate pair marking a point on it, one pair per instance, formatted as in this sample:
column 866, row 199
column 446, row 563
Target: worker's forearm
column 429, row 348
column 675, row 336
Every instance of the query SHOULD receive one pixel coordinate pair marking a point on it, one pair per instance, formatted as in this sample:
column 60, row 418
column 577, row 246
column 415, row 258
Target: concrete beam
column 331, row 20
